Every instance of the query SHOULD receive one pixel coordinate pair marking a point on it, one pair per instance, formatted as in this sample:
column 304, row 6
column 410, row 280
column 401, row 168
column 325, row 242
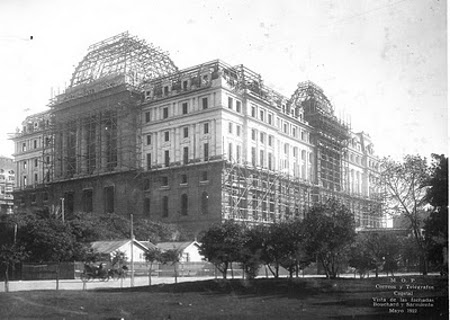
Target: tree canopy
column 47, row 238
column 436, row 226
column 405, row 183
column 222, row 244
column 328, row 233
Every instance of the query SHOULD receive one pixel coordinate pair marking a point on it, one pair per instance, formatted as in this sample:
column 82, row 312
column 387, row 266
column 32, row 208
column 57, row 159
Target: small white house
column 110, row 247
column 190, row 251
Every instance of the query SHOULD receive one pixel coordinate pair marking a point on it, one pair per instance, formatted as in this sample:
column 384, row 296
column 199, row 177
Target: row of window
column 235, row 105
column 109, row 205
column 35, row 144
column 35, row 161
column 373, row 164
column 36, row 126
column 183, row 207
column 263, row 137
column 267, row 160
column 185, row 156
column 9, row 171
column 4, row 190
column 184, row 108
column 355, row 158
column 10, row 178
column 303, row 153
column 24, row 145
column 303, row 135
column 286, row 146
column 263, row 115
column 182, row 179
column 166, row 111
column 268, row 117
column 185, row 134
column 359, row 160
column 184, row 85
column 357, row 145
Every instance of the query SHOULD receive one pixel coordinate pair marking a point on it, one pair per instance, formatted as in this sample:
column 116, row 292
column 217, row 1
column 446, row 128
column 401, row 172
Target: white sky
column 383, row 63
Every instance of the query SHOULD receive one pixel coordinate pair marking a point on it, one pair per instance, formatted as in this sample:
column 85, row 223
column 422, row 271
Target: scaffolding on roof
column 92, row 138
column 122, row 54
column 254, row 84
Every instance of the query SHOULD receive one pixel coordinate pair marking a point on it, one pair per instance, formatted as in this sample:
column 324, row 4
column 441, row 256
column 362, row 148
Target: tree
column 405, row 194
column 172, row 257
column 436, row 226
column 48, row 239
column 10, row 255
column 277, row 247
column 95, row 227
column 384, row 250
column 390, row 251
column 222, row 244
column 360, row 256
column 153, row 255
column 437, row 193
column 296, row 256
column 408, row 254
column 155, row 231
column 119, row 258
column 250, row 255
column 283, row 246
column 279, row 244
column 328, row 234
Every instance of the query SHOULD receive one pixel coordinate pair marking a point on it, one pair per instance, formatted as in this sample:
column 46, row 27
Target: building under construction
column 134, row 134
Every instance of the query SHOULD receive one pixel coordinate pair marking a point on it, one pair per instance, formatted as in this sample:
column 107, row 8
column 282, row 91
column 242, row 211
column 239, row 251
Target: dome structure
column 123, row 55
column 309, row 91
column 318, row 110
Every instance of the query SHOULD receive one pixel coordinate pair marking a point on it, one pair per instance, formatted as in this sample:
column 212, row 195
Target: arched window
column 184, row 204
column 204, row 203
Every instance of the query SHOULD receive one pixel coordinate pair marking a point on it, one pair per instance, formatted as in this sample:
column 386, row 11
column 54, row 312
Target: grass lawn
column 303, row 298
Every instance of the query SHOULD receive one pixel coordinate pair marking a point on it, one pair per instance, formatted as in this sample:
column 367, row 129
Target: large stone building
column 33, row 159
column 7, row 182
column 133, row 134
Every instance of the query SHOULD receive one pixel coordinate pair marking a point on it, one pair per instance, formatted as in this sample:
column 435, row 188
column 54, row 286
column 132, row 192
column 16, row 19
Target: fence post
column 176, row 271
column 57, row 277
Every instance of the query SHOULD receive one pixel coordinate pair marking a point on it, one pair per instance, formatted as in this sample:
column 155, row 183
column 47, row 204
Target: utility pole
column 132, row 253
column 15, row 232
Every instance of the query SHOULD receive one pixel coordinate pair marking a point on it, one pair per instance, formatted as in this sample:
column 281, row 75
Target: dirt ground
column 409, row 297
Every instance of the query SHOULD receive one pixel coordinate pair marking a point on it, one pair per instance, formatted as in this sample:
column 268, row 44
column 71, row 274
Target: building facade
column 7, row 182
column 199, row 145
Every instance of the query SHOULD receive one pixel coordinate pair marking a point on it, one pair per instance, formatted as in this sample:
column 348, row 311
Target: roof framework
column 319, row 111
column 126, row 55
column 331, row 135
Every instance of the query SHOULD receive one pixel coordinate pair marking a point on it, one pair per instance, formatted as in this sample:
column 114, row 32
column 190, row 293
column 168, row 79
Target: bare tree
column 404, row 185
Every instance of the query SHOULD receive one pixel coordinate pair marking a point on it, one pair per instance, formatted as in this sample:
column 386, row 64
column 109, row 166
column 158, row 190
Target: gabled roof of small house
column 148, row 244
column 113, row 245
column 175, row 245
